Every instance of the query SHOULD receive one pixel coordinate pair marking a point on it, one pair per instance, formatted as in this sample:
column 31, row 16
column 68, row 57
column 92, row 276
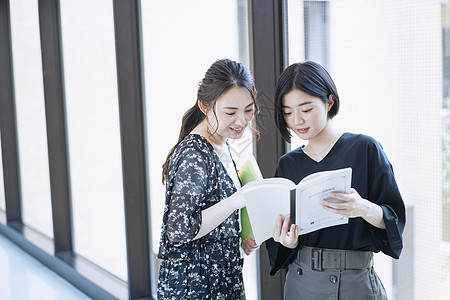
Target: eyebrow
column 301, row 104
column 228, row 107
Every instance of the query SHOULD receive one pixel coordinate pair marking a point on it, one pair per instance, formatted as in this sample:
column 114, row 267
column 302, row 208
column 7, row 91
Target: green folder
column 248, row 172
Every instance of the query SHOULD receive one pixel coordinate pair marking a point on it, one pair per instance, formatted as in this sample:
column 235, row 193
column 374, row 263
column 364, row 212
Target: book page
column 310, row 215
column 264, row 202
column 314, row 176
column 259, row 183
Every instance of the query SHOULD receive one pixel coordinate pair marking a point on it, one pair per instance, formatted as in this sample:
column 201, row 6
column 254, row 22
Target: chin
column 235, row 137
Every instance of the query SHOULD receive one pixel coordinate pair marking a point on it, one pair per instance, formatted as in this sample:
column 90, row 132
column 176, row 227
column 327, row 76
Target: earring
column 202, row 107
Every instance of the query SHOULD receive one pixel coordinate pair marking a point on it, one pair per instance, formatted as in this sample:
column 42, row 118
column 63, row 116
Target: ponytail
column 191, row 118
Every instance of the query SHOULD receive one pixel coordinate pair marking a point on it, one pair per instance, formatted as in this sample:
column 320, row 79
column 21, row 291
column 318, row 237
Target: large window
column 181, row 40
column 94, row 133
column 32, row 134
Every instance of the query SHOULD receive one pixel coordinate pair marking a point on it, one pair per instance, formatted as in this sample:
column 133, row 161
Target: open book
column 267, row 198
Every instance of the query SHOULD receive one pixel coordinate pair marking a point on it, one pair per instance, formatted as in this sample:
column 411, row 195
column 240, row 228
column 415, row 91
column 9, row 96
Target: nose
column 241, row 119
column 298, row 119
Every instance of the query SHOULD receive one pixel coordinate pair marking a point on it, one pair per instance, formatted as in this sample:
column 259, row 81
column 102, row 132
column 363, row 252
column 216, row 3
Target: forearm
column 216, row 214
column 354, row 206
column 374, row 215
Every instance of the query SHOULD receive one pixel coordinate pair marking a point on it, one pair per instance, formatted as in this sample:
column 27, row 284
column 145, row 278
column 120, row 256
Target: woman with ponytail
column 199, row 247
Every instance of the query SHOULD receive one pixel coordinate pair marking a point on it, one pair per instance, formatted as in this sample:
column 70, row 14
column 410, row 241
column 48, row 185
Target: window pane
column 446, row 123
column 181, row 40
column 30, row 109
column 316, row 31
column 387, row 62
column 444, row 289
column 94, row 133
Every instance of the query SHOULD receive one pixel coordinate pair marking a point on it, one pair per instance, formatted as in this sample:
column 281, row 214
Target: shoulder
column 361, row 140
column 290, row 162
column 291, row 156
column 362, row 146
column 193, row 148
column 195, row 143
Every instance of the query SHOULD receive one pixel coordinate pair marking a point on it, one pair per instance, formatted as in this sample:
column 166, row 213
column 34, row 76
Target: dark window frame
column 268, row 48
column 8, row 127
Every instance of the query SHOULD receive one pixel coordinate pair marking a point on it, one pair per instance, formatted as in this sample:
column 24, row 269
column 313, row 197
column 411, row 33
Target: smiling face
column 233, row 111
column 306, row 115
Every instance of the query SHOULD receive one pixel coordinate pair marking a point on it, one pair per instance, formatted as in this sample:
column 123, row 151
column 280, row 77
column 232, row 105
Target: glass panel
column 295, row 31
column 446, row 122
column 387, row 62
column 94, row 133
column 30, row 109
column 2, row 184
column 445, row 244
column 181, row 40
column 316, row 31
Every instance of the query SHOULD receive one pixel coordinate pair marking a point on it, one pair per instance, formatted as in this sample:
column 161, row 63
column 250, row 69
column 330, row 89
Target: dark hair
column 310, row 78
column 219, row 78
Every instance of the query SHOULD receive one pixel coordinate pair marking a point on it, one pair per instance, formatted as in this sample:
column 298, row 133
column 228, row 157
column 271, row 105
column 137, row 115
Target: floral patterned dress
column 209, row 267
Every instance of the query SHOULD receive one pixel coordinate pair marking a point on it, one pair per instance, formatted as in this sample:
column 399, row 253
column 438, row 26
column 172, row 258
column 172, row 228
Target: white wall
column 386, row 59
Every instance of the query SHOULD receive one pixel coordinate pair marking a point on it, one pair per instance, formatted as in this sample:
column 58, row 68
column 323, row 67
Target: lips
column 302, row 130
column 237, row 130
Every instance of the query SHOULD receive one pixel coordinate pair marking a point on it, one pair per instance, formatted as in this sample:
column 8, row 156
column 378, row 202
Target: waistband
column 320, row 259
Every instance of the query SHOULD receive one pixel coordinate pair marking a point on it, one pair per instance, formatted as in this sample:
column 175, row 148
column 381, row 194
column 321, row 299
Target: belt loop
column 317, row 259
column 344, row 259
column 370, row 263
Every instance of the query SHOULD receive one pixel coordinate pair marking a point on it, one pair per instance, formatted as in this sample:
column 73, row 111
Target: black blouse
column 372, row 177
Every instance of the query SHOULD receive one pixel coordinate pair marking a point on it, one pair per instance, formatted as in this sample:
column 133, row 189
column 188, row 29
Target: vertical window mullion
column 132, row 125
column 8, row 125
column 267, row 61
column 50, row 29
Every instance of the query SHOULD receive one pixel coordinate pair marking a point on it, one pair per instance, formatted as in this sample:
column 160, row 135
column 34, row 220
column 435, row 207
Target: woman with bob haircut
column 334, row 262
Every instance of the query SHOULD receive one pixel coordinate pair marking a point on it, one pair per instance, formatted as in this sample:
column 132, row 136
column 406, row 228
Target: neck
column 208, row 133
column 326, row 138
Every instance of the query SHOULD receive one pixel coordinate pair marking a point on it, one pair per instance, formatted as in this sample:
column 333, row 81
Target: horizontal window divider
column 83, row 274
column 40, row 240
column 96, row 274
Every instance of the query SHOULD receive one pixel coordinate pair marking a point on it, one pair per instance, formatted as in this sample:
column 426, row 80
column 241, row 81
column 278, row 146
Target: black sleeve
column 187, row 197
column 383, row 191
column 280, row 257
